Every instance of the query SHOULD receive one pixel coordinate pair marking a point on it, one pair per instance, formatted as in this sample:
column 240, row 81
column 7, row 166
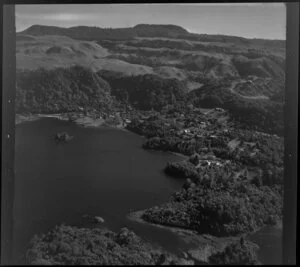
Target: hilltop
column 141, row 30
column 96, row 33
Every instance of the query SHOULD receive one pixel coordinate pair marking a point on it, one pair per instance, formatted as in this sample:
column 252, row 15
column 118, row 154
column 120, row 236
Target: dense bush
column 61, row 90
column 146, row 92
column 183, row 169
column 238, row 253
column 221, row 206
column 66, row 245
column 254, row 114
column 266, row 116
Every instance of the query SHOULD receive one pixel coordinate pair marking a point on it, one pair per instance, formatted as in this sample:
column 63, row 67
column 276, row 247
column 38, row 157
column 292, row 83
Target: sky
column 259, row 20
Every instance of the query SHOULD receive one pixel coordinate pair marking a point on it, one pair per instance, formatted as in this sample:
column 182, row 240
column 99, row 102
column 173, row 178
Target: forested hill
column 61, row 90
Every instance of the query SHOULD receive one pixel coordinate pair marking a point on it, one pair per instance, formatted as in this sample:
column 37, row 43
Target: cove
column 101, row 172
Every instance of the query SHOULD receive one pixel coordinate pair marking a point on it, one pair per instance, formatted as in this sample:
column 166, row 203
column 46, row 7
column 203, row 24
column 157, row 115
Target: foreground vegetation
column 69, row 245
column 222, row 207
column 83, row 246
column 239, row 253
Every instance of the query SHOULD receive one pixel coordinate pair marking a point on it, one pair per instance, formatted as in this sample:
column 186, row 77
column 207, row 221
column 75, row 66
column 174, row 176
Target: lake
column 101, row 172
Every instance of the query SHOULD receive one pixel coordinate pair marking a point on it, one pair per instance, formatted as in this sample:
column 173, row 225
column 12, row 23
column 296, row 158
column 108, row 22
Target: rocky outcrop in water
column 63, row 137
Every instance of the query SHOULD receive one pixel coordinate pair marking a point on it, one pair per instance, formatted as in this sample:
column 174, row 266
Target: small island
column 62, row 137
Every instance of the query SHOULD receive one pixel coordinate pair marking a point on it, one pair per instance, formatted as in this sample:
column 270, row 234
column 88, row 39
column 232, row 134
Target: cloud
column 68, row 17
column 58, row 17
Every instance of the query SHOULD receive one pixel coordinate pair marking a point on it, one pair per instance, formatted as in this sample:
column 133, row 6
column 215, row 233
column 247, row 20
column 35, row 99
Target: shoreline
column 184, row 157
column 200, row 246
column 83, row 121
column 203, row 245
column 137, row 217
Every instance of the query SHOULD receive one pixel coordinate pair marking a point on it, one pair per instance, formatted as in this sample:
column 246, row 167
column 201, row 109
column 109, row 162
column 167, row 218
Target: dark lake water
column 269, row 240
column 101, row 172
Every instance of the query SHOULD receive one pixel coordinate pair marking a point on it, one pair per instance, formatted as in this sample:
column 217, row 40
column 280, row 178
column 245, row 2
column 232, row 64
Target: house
column 206, row 162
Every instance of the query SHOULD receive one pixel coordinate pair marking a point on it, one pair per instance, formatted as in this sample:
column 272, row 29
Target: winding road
column 235, row 83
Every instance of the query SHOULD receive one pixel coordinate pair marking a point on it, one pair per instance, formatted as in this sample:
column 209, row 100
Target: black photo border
column 7, row 32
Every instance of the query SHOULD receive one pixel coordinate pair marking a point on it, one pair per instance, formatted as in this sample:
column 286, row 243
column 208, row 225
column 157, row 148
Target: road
column 235, row 83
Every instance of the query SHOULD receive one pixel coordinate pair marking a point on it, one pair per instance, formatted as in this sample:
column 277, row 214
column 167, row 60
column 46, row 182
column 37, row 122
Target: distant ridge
column 96, row 33
column 141, row 30
column 160, row 30
column 82, row 32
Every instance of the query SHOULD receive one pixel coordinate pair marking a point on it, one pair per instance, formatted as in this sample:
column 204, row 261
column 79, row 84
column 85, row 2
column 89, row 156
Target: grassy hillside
column 149, row 47
column 215, row 60
column 54, row 51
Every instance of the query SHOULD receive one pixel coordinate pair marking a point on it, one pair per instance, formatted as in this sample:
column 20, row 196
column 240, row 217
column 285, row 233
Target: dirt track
column 235, row 83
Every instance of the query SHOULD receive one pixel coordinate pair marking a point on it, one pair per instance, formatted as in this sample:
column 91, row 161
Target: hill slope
column 61, row 90
column 150, row 66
